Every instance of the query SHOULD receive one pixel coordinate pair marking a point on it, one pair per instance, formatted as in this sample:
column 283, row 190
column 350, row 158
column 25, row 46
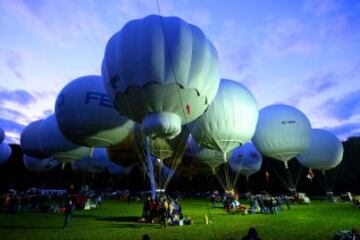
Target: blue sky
column 301, row 53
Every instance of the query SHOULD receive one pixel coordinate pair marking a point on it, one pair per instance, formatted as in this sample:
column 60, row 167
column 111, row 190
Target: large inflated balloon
column 97, row 162
column 283, row 132
column 30, row 142
column 325, row 151
column 245, row 160
column 55, row 144
column 230, row 120
column 39, row 165
column 2, row 135
column 205, row 156
column 5, row 152
column 161, row 72
column 85, row 114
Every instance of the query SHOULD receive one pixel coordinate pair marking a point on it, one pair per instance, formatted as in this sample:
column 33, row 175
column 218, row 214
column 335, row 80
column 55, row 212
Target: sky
column 301, row 53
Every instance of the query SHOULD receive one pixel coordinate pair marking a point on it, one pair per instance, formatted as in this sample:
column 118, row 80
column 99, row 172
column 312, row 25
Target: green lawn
column 117, row 220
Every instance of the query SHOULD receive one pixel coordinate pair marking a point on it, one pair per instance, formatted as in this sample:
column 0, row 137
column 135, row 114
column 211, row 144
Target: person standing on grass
column 68, row 212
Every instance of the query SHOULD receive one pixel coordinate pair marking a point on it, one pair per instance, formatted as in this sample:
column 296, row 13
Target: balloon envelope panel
column 55, row 144
column 325, row 151
column 86, row 115
column 245, row 160
column 230, row 120
column 5, row 152
column 30, row 140
column 283, row 132
column 39, row 165
column 161, row 65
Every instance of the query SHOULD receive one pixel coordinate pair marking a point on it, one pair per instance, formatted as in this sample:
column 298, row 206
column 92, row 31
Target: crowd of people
column 47, row 201
column 163, row 210
column 23, row 202
column 261, row 203
column 268, row 204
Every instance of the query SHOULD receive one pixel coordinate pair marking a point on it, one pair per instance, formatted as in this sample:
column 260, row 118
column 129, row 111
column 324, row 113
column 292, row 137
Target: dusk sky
column 301, row 53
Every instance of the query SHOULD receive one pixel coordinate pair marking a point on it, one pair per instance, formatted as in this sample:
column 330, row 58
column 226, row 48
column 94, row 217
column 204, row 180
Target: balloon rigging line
column 282, row 180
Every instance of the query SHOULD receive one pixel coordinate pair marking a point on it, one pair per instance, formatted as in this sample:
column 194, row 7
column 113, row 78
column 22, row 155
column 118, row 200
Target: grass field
column 118, row 220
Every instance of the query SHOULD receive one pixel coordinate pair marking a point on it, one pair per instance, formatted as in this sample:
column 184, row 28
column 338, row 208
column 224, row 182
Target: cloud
column 14, row 61
column 345, row 107
column 235, row 55
column 287, row 36
column 19, row 96
column 11, row 126
column 345, row 131
column 338, row 19
column 8, row 113
column 62, row 22
column 322, row 7
column 317, row 83
column 47, row 113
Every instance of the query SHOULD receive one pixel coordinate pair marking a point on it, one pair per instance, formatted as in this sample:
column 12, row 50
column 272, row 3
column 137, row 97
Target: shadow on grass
column 135, row 225
column 128, row 222
column 133, row 219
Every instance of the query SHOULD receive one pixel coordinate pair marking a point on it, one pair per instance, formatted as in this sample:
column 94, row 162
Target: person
column 68, row 211
column 146, row 237
column 163, row 211
column 212, row 199
column 252, row 235
column 355, row 233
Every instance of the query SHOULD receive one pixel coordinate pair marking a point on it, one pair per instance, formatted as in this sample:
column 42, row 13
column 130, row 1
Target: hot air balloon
column 325, row 151
column 283, row 132
column 2, row 135
column 161, row 72
column 39, row 165
column 245, row 160
column 5, row 152
column 85, row 114
column 229, row 122
column 30, row 142
column 55, row 144
column 97, row 162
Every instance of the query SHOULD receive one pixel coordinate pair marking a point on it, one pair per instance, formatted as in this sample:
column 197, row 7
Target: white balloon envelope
column 30, row 140
column 283, row 132
column 325, row 151
column 161, row 72
column 245, row 160
column 230, row 119
column 97, row 162
column 39, row 165
column 85, row 114
column 5, row 152
column 55, row 144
